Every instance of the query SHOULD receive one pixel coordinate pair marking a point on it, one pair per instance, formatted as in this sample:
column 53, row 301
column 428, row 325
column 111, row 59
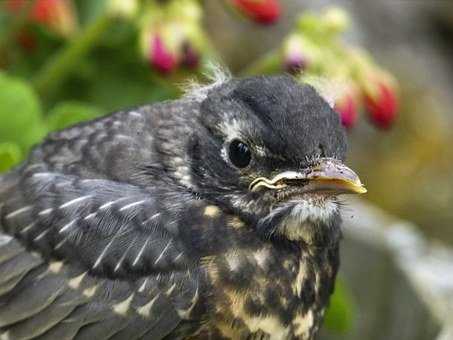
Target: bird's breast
column 269, row 291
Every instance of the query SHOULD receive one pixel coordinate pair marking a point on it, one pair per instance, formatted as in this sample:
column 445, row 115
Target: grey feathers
column 53, row 301
column 112, row 229
column 103, row 258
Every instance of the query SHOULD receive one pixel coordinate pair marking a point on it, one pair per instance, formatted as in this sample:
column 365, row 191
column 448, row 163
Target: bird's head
column 272, row 151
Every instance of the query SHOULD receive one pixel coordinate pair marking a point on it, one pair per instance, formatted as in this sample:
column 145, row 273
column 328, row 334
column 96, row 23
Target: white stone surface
column 427, row 265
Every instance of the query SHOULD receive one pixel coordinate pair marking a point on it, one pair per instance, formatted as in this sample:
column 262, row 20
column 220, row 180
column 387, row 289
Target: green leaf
column 88, row 10
column 69, row 113
column 10, row 155
column 340, row 315
column 21, row 122
column 123, row 81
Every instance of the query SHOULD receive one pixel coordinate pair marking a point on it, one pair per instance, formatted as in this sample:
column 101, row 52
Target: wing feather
column 88, row 248
column 112, row 229
column 46, row 319
column 56, row 300
column 76, row 284
column 31, row 300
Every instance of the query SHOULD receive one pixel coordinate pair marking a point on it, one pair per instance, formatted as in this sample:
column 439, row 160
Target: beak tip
column 357, row 187
column 362, row 190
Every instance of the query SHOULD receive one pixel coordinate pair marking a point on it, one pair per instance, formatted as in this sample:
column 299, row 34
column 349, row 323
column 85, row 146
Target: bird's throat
column 312, row 221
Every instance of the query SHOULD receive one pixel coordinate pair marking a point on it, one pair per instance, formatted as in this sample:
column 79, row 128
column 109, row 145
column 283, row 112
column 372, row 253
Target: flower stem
column 267, row 64
column 59, row 66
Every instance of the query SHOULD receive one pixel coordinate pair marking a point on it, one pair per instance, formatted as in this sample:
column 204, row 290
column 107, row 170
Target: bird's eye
column 239, row 154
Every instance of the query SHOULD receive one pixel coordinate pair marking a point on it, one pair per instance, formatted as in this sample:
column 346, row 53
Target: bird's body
column 151, row 223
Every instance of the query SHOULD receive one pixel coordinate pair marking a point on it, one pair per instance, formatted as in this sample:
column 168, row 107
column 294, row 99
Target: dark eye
column 239, row 154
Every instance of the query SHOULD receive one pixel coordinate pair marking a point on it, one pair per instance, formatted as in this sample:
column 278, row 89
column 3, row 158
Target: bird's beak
column 326, row 175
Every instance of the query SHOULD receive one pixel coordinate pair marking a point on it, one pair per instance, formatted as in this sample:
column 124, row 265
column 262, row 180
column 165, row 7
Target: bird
column 212, row 216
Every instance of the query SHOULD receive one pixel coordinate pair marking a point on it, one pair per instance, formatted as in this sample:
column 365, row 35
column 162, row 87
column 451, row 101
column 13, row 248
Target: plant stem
column 53, row 73
column 267, row 64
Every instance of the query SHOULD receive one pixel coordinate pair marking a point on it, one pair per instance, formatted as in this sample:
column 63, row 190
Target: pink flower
column 347, row 109
column 295, row 64
column 296, row 54
column 160, row 57
column 261, row 11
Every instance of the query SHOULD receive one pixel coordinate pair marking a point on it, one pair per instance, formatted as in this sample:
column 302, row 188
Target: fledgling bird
column 210, row 217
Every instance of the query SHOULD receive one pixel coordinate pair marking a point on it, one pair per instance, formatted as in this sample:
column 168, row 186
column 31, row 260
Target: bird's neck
column 314, row 234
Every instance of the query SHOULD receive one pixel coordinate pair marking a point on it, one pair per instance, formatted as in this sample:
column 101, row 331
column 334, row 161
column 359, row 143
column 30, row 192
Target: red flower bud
column 190, row 57
column 44, row 11
column 261, row 11
column 58, row 15
column 160, row 57
column 382, row 105
column 347, row 109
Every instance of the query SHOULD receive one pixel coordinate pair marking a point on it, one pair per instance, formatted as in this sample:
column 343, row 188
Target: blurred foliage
column 339, row 317
column 79, row 87
column 69, row 113
column 408, row 172
column 10, row 155
column 20, row 113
